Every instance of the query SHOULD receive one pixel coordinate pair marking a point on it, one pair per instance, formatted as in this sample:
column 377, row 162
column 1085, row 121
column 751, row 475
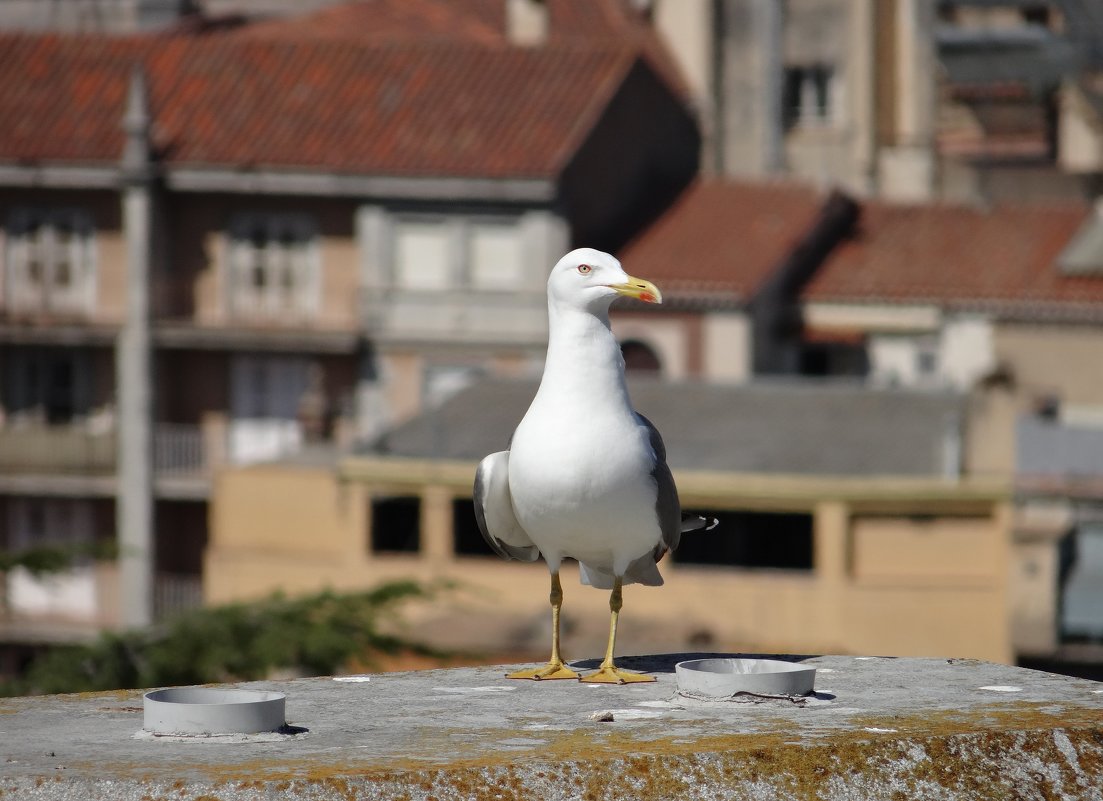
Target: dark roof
column 1031, row 56
column 453, row 101
column 1004, row 258
column 723, row 238
column 772, row 427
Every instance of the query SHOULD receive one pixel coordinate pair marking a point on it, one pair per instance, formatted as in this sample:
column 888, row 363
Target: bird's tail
column 691, row 522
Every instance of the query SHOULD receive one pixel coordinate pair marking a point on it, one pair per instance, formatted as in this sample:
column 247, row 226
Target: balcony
column 73, row 605
column 1054, row 456
column 458, row 315
column 183, row 458
column 57, row 449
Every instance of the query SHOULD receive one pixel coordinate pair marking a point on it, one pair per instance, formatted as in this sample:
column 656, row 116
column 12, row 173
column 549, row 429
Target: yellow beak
column 639, row 289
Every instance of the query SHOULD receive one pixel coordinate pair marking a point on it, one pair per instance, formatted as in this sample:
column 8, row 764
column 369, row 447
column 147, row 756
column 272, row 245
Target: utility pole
column 133, row 369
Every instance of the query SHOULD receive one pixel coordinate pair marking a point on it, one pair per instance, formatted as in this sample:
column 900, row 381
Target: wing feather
column 667, row 507
column 494, row 511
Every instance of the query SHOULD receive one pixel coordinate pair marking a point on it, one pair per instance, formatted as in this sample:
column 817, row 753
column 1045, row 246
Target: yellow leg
column 608, row 673
column 555, row 669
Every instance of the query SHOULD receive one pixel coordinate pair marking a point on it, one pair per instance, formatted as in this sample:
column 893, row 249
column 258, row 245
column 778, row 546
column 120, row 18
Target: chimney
column 527, row 22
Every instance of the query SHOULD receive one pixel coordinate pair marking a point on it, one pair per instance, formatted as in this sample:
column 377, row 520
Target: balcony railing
column 71, row 450
column 56, row 449
column 1054, row 450
column 175, row 593
column 179, row 449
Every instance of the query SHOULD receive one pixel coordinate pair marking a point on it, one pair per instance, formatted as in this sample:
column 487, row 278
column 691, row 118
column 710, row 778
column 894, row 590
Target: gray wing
column 494, row 511
column 667, row 507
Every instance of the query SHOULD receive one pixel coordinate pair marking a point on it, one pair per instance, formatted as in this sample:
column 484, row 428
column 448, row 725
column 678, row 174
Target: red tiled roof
column 956, row 255
column 573, row 22
column 723, row 238
column 417, row 108
column 473, row 20
column 391, row 21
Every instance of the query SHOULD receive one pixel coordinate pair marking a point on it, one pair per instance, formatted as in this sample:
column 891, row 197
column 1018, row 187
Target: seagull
column 585, row 476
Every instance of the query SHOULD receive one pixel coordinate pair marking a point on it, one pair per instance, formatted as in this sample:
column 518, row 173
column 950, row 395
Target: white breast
column 582, row 488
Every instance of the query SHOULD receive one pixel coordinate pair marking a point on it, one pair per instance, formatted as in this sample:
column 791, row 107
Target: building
column 223, row 243
column 730, row 258
column 977, row 100
column 845, row 527
column 962, row 100
column 1004, row 304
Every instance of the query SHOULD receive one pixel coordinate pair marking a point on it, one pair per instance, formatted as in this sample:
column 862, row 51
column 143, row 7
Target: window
column 467, row 539
column 809, row 96
column 494, row 255
column 274, row 266
column 265, row 396
column 775, row 540
column 54, row 523
column 49, row 261
column 396, row 524
column 423, row 255
column 47, row 385
column 268, row 387
column 640, row 357
column 439, row 254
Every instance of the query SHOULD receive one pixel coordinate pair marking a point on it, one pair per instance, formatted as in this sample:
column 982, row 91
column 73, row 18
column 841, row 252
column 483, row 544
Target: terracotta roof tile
column 418, row 108
column 1004, row 257
column 573, row 22
column 472, row 20
column 391, row 21
column 723, row 237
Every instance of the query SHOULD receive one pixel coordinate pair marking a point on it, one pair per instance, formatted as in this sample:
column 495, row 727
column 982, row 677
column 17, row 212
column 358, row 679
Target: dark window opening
column 751, row 539
column 833, row 359
column 181, row 537
column 467, row 540
column 639, row 357
column 396, row 525
column 806, row 95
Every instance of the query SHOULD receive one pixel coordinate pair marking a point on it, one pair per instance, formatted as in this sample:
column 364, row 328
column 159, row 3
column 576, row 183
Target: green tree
column 319, row 634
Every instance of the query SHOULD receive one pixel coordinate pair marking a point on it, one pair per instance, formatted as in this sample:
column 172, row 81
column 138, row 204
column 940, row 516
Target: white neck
column 583, row 356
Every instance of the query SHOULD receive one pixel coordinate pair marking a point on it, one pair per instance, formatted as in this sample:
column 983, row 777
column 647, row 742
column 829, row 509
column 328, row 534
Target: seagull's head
column 590, row 279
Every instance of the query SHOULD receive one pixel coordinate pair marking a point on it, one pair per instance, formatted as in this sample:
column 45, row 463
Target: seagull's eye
column 585, row 269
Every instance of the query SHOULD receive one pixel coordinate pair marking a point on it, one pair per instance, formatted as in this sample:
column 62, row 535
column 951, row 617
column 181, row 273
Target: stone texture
column 878, row 728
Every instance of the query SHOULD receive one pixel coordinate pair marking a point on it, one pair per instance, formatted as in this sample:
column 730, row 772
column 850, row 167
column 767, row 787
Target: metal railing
column 179, row 449
column 174, row 593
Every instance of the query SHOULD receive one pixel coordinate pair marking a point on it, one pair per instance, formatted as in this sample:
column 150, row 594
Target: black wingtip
column 698, row 523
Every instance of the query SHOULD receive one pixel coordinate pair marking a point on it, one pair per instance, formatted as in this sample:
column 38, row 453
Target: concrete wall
column 301, row 529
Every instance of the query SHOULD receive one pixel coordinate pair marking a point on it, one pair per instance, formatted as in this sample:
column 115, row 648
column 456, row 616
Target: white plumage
column 585, row 476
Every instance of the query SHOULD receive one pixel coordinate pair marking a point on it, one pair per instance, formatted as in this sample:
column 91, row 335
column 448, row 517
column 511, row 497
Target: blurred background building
column 273, row 281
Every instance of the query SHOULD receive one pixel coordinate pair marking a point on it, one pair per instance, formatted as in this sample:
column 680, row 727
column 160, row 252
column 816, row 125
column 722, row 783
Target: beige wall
column 884, row 581
column 296, row 512
column 1066, row 360
column 1079, row 133
column 675, row 339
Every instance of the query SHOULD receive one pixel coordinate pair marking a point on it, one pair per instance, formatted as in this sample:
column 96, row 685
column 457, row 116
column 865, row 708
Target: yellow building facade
column 898, row 566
